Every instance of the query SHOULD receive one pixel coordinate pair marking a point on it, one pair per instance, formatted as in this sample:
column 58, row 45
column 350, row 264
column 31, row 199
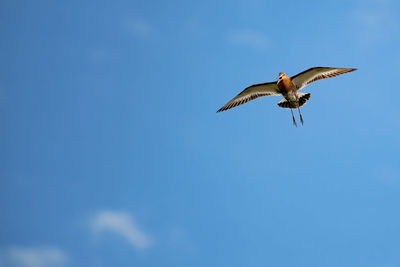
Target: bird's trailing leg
column 301, row 117
column 294, row 120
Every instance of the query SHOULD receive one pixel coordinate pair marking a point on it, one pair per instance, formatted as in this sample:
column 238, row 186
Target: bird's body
column 288, row 87
column 292, row 99
column 288, row 90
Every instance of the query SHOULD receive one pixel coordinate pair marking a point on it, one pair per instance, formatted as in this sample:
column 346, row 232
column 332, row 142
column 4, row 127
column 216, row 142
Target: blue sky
column 112, row 153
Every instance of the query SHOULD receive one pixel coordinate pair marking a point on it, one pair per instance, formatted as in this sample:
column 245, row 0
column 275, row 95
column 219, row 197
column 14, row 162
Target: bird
column 288, row 87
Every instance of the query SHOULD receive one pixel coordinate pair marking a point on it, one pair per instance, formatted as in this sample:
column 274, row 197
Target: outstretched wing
column 314, row 74
column 250, row 93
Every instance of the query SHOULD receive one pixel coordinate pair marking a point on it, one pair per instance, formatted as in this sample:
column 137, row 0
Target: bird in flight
column 288, row 87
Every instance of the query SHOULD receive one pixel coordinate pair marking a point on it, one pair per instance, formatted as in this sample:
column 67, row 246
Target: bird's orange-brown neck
column 285, row 84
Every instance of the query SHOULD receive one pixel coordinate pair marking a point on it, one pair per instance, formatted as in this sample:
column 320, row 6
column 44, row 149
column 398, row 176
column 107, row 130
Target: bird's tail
column 303, row 97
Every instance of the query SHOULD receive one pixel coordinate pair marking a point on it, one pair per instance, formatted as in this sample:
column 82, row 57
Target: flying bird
column 288, row 87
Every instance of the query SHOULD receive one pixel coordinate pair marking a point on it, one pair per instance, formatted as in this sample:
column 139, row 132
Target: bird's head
column 281, row 75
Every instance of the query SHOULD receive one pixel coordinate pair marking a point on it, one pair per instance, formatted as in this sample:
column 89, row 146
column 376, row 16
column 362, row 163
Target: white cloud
column 33, row 257
column 122, row 224
column 248, row 37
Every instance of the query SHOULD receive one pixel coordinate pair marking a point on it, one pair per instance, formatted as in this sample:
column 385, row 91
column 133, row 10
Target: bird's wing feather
column 250, row 93
column 314, row 74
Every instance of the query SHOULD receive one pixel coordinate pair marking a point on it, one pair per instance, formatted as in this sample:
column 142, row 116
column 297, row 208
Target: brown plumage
column 288, row 87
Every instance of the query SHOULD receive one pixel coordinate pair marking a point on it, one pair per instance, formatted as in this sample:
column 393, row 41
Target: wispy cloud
column 33, row 257
column 122, row 224
column 248, row 37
